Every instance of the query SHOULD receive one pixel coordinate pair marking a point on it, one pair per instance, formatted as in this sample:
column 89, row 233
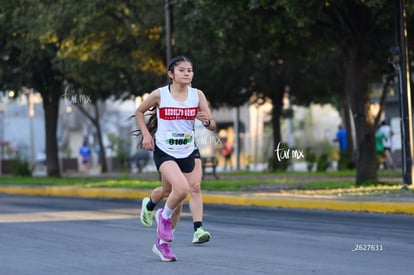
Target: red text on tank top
column 173, row 113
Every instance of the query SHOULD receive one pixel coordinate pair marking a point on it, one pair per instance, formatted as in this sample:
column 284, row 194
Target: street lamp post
column 404, row 92
column 169, row 29
column 3, row 110
column 1, row 140
column 31, row 117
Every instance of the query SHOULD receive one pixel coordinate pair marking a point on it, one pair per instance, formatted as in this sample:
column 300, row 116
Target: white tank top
column 175, row 130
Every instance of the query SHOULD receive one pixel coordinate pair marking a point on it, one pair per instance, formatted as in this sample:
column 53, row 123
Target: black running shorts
column 186, row 164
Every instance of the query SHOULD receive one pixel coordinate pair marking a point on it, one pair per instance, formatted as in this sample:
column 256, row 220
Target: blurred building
column 23, row 126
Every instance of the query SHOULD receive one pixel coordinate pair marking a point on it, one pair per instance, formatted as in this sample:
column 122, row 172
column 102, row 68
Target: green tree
column 358, row 28
column 105, row 48
column 114, row 52
column 30, row 48
column 350, row 30
column 250, row 49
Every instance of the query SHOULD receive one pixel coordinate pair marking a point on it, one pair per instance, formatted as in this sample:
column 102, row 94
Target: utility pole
column 404, row 92
column 2, row 114
column 169, row 29
column 237, row 137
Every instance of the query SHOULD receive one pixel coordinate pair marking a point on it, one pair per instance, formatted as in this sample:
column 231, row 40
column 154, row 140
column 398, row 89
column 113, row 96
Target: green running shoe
column 201, row 236
column 146, row 215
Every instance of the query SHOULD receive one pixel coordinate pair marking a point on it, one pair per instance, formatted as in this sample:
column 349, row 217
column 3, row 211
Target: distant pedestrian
column 85, row 152
column 227, row 152
column 387, row 143
column 342, row 139
column 379, row 145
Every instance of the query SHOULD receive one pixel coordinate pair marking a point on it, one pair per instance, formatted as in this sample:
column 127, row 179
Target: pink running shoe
column 164, row 251
column 164, row 231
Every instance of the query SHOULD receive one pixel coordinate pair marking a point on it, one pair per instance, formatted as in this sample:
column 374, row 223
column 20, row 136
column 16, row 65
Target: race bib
column 179, row 141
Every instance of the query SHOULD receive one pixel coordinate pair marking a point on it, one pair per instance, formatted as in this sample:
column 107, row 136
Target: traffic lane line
column 80, row 215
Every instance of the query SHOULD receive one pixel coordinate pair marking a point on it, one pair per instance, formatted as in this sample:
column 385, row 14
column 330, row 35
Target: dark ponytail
column 151, row 125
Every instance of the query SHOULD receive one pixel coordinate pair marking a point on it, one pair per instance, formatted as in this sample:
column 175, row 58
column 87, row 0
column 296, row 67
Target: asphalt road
column 56, row 235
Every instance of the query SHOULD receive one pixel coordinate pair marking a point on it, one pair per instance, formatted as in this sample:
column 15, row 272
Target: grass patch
column 79, row 182
column 141, row 184
column 342, row 173
column 335, row 180
column 231, row 185
column 211, row 185
column 17, row 180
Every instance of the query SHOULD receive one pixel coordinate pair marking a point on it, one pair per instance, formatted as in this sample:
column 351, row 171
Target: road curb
column 236, row 199
column 310, row 203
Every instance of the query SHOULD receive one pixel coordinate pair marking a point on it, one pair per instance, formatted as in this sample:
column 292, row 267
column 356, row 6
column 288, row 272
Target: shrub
column 21, row 167
column 282, row 164
column 310, row 158
column 323, row 163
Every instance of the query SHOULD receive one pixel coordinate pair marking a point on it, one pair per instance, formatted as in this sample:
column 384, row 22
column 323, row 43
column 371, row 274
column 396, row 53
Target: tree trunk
column 51, row 111
column 102, row 153
column 95, row 121
column 349, row 130
column 356, row 86
column 277, row 105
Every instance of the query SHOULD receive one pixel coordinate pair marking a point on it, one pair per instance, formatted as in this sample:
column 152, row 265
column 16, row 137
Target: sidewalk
column 263, row 195
column 261, row 199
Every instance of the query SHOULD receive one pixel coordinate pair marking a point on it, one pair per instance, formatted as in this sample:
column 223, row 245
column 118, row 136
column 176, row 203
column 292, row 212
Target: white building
column 24, row 128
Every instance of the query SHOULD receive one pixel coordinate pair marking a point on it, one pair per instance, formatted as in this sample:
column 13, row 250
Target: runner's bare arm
column 204, row 114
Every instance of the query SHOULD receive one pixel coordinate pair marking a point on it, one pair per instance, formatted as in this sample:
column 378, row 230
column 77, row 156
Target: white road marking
column 81, row 215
